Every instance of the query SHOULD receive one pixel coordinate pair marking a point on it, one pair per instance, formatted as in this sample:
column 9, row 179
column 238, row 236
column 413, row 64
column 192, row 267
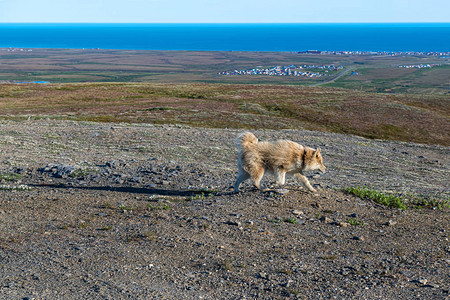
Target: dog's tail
column 246, row 139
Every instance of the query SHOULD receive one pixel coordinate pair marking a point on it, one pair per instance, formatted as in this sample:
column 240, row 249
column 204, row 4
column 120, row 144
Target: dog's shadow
column 138, row 190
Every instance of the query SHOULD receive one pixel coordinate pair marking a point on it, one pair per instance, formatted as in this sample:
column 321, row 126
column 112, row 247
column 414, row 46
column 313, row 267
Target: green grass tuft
column 400, row 201
column 290, row 220
column 378, row 197
column 354, row 222
column 10, row 176
column 160, row 206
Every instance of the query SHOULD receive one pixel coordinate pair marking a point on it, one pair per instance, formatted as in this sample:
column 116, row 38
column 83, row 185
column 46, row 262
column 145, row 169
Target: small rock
column 297, row 212
column 281, row 191
column 288, row 283
column 19, row 170
column 135, row 179
column 236, row 215
column 391, row 223
column 325, row 219
column 111, row 164
column 266, row 232
column 63, row 171
column 341, row 224
column 423, row 281
column 358, row 238
column 234, row 223
column 353, row 215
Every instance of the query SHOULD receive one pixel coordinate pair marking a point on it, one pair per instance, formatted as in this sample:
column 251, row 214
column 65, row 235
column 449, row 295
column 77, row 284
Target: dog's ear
column 317, row 152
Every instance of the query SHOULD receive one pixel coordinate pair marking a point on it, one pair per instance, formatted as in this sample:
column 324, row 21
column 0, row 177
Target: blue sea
column 421, row 37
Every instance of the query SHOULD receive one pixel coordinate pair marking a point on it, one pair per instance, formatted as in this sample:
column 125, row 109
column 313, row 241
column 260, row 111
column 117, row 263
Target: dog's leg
column 257, row 174
column 242, row 176
column 280, row 177
column 305, row 181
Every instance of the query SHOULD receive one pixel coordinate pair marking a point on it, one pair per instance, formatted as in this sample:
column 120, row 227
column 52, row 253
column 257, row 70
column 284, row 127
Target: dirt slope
column 120, row 211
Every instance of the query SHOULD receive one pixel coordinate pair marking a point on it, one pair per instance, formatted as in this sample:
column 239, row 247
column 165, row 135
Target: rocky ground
column 120, row 211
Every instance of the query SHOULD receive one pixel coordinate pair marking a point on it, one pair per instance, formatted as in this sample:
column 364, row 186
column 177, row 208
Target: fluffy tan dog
column 280, row 157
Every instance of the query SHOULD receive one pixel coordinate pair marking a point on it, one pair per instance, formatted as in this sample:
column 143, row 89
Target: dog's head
column 315, row 162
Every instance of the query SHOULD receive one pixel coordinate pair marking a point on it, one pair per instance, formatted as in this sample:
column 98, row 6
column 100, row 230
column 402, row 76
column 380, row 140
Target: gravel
column 138, row 211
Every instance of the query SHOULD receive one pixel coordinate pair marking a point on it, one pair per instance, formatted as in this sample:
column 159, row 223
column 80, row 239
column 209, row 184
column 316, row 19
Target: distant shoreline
column 442, row 54
column 280, row 37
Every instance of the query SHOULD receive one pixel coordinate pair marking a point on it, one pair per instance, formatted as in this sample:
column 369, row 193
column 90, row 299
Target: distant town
column 421, row 66
column 385, row 53
column 291, row 70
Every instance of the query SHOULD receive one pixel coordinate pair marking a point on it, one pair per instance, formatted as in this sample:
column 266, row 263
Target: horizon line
column 226, row 23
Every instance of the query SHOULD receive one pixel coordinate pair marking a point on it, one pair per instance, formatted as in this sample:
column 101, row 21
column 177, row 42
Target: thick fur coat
column 280, row 158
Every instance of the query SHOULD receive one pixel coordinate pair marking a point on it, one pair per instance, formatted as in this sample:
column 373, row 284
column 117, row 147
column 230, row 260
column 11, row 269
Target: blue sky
column 224, row 11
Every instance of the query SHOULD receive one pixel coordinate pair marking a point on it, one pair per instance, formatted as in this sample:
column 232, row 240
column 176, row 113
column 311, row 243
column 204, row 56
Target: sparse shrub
column 10, row 176
column 201, row 194
column 124, row 207
column 227, row 266
column 399, row 201
column 290, row 220
column 275, row 220
column 80, row 173
column 355, row 222
column 139, row 237
column 160, row 206
column 421, row 202
column 378, row 197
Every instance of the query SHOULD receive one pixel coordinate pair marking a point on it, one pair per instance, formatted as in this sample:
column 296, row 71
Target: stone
column 63, row 171
column 297, row 212
column 288, row 283
column 391, row 223
column 325, row 219
column 341, row 224
column 423, row 281
column 233, row 223
column 281, row 191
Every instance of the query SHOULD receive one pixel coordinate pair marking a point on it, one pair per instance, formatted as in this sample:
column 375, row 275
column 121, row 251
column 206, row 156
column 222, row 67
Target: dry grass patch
column 414, row 118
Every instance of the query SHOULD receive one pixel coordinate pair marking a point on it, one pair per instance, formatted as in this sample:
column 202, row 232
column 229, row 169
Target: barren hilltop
column 116, row 211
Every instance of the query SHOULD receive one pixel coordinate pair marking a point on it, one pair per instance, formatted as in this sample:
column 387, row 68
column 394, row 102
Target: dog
column 280, row 158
